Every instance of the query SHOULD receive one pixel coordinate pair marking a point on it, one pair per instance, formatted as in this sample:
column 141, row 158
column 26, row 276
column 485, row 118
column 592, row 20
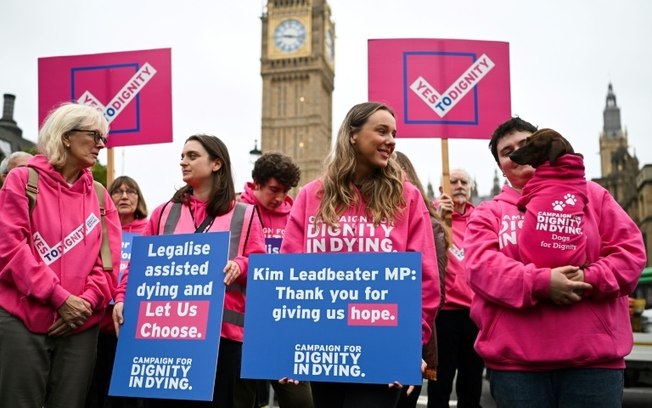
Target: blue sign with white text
column 168, row 344
column 346, row 317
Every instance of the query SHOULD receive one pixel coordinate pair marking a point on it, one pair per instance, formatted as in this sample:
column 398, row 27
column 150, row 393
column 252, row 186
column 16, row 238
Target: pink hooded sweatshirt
column 520, row 328
column 252, row 242
column 554, row 200
column 137, row 226
column 54, row 253
column 458, row 293
column 412, row 231
column 273, row 221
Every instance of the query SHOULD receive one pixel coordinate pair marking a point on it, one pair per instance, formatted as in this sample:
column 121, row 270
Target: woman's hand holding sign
column 232, row 271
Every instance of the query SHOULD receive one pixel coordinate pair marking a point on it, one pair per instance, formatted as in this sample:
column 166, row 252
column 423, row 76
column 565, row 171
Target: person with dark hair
column 273, row 175
column 129, row 201
column 207, row 204
column 456, row 332
column 442, row 237
column 551, row 336
column 363, row 181
column 132, row 210
column 55, row 283
column 511, row 126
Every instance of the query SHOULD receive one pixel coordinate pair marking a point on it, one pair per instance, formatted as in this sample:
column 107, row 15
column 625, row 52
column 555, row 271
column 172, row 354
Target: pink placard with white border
column 442, row 88
column 133, row 89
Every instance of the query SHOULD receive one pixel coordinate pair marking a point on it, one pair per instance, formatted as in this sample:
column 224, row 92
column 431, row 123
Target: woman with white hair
column 54, row 286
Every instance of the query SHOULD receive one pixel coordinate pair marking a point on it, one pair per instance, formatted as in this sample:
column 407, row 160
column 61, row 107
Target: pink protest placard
column 133, row 89
column 442, row 88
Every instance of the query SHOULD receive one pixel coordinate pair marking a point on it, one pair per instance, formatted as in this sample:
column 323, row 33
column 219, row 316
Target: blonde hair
column 63, row 119
column 382, row 191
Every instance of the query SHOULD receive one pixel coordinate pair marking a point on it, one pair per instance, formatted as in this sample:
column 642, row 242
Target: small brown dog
column 543, row 145
column 553, row 201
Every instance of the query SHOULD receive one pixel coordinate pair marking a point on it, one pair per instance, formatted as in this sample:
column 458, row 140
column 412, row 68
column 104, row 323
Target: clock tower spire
column 298, row 70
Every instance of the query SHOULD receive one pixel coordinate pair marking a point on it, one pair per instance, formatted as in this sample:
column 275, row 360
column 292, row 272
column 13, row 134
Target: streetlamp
column 255, row 153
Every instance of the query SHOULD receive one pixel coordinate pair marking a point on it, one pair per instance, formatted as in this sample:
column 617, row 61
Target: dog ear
column 558, row 147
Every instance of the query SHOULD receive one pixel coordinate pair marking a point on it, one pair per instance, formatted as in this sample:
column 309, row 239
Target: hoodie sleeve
column 622, row 252
column 100, row 285
column 294, row 238
column 255, row 244
column 421, row 239
column 19, row 265
column 492, row 273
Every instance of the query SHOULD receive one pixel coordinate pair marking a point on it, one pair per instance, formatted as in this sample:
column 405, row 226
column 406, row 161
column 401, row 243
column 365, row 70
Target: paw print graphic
column 558, row 205
column 570, row 199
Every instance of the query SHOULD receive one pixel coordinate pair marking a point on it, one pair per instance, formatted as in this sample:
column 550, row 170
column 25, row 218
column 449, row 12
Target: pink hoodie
column 554, row 200
column 520, row 328
column 273, row 221
column 44, row 261
column 137, row 226
column 458, row 293
column 249, row 243
column 412, row 231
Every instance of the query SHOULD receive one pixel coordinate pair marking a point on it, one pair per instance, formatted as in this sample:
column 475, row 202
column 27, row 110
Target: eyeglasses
column 130, row 192
column 97, row 136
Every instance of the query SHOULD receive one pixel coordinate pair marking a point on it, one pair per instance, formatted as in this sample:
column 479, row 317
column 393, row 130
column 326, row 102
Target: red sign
column 133, row 89
column 442, row 88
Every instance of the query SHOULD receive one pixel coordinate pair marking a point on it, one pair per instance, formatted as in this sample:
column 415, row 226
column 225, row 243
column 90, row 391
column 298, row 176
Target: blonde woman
column 364, row 183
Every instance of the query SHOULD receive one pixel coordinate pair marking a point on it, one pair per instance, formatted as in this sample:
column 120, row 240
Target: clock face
column 289, row 35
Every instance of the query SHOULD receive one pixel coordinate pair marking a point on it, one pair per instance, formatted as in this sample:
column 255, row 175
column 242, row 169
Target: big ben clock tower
column 298, row 70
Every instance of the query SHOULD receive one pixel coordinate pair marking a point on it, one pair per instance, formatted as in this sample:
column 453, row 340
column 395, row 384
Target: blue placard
column 352, row 317
column 168, row 344
column 125, row 256
column 273, row 245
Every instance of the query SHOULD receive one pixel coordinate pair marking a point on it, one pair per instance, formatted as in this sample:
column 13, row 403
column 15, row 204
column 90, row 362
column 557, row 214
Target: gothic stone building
column 629, row 185
column 11, row 136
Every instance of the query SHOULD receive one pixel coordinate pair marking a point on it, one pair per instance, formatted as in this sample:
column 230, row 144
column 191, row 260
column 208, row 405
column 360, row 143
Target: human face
column 374, row 143
column 271, row 194
column 516, row 174
column 125, row 199
column 460, row 188
column 84, row 146
column 197, row 168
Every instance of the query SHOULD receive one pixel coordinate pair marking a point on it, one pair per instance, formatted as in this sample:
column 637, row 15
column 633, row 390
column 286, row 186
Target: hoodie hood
column 48, row 174
column 508, row 195
column 249, row 197
column 136, row 226
column 273, row 221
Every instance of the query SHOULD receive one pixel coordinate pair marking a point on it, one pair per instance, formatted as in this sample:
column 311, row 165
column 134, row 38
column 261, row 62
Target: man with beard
column 456, row 332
